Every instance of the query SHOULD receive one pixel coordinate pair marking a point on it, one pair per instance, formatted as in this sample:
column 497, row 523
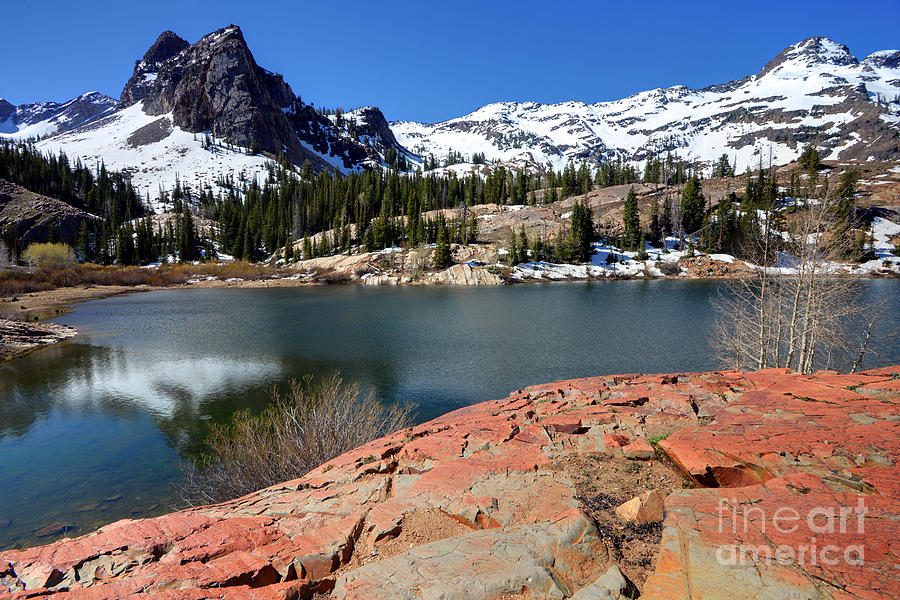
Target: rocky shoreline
column 672, row 486
column 360, row 269
column 20, row 337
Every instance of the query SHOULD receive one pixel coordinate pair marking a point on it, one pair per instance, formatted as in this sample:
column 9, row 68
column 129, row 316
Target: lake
column 93, row 430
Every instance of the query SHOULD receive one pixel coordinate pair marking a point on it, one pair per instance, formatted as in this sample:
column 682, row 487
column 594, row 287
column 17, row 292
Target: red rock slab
column 808, row 388
column 586, row 385
column 777, row 439
column 119, row 590
column 482, row 564
column 893, row 371
column 791, row 537
column 615, row 440
column 793, row 434
column 884, row 384
column 639, row 449
column 802, row 446
column 145, row 540
column 569, row 424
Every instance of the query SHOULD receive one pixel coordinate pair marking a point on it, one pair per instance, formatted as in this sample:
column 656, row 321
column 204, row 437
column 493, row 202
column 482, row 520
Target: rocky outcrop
column 479, row 503
column 465, row 274
column 167, row 45
column 32, row 215
column 17, row 337
column 801, row 492
column 215, row 85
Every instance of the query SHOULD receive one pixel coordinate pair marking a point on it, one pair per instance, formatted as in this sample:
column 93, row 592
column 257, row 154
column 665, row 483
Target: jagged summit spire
column 167, row 45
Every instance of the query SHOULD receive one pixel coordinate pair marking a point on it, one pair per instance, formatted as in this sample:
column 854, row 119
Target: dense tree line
column 106, row 194
column 371, row 209
column 671, row 171
column 325, row 213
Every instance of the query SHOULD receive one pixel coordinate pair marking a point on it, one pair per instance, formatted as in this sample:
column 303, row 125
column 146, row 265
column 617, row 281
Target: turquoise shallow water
column 93, row 430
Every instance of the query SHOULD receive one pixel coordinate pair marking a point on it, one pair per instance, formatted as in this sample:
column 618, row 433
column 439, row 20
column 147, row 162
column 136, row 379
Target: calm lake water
column 92, row 430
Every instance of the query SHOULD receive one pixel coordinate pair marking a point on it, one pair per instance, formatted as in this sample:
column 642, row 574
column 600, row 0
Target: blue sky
column 430, row 61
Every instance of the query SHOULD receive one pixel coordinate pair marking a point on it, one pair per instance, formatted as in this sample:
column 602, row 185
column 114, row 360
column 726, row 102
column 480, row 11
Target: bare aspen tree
column 794, row 309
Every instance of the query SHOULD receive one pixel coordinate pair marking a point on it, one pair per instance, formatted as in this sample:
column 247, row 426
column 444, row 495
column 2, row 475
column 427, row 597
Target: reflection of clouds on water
column 163, row 386
column 82, row 379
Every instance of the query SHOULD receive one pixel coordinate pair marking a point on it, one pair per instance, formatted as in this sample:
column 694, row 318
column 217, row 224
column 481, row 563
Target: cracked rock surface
column 495, row 515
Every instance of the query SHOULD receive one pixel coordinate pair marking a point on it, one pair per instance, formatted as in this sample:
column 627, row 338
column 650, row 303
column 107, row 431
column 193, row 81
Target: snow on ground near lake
column 116, row 141
column 626, row 264
column 882, row 232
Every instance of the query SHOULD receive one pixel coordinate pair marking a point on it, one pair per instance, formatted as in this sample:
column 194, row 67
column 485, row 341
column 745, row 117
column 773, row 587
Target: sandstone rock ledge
column 478, row 504
column 18, row 337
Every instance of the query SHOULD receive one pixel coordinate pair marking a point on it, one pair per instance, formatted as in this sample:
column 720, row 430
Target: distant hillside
column 814, row 91
column 41, row 119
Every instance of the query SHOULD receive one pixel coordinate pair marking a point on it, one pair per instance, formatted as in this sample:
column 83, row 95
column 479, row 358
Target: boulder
column 612, row 585
column 646, row 508
column 639, row 449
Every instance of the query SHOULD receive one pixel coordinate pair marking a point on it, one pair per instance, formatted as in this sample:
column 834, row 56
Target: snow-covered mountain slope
column 214, row 85
column 181, row 94
column 41, row 119
column 156, row 153
column 814, row 91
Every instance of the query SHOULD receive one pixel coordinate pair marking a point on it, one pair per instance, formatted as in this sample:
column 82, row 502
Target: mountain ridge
column 206, row 115
column 40, row 119
column 815, row 91
column 596, row 130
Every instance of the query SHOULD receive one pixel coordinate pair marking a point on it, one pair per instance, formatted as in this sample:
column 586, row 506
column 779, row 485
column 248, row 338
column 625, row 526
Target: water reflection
column 118, row 381
column 93, row 431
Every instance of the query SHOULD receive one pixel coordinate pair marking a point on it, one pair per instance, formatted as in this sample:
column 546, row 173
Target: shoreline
column 31, row 311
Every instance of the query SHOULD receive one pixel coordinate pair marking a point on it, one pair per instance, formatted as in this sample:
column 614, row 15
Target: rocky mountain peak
column 214, row 85
column 167, row 45
column 6, row 109
column 812, row 51
column 373, row 124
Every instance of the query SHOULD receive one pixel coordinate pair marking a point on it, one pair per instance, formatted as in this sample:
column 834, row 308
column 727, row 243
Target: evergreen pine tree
column 632, row 221
column 442, row 257
column 83, row 243
column 693, row 206
column 523, row 246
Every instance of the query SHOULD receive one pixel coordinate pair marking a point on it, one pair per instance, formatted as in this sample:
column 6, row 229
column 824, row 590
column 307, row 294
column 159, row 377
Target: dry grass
column 606, row 481
column 312, row 424
column 48, row 277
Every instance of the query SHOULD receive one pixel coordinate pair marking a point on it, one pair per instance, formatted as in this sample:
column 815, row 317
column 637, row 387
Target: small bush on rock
column 312, row 424
column 669, row 268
